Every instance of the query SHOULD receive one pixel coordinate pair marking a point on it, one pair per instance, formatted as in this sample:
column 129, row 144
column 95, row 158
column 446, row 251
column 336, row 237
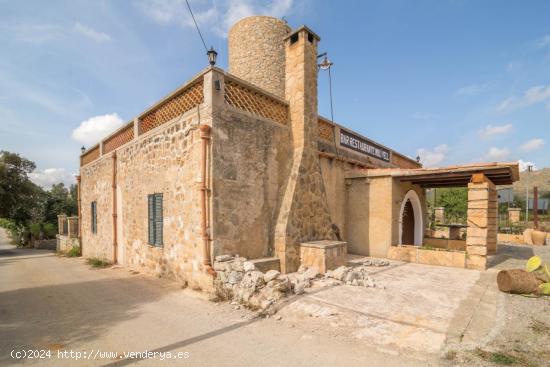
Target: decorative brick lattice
column 174, row 106
column 121, row 138
column 326, row 130
column 90, row 156
column 257, row 103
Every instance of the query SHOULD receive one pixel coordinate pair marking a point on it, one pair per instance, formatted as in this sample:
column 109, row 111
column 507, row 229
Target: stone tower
column 257, row 52
column 304, row 214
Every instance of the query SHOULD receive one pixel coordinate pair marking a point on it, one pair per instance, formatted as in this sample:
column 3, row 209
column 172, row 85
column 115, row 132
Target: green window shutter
column 151, row 216
column 94, row 217
column 158, row 220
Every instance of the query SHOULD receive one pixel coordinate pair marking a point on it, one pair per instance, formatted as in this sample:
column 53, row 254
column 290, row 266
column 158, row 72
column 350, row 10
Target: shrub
column 50, row 230
column 74, row 252
column 98, row 263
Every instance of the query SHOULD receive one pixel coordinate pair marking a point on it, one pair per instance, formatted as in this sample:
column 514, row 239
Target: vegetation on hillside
column 25, row 208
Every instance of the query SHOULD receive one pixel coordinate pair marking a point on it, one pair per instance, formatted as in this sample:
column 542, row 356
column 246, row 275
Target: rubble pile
column 238, row 280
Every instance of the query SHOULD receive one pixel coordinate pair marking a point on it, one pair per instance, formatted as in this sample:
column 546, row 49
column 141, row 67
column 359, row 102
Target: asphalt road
column 61, row 305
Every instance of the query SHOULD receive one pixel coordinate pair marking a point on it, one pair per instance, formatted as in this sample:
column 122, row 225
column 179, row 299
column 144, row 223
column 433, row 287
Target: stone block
column 442, row 258
column 402, row 253
column 477, row 250
column 323, row 255
column 476, row 262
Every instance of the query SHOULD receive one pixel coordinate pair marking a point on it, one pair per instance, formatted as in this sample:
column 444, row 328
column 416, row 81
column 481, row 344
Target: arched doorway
column 411, row 223
column 408, row 224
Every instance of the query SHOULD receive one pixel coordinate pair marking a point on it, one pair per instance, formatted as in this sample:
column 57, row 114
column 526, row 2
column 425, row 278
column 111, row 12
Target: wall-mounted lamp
column 212, row 56
column 83, row 149
column 217, row 85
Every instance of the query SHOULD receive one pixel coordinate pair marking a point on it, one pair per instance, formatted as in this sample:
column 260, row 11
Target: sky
column 453, row 82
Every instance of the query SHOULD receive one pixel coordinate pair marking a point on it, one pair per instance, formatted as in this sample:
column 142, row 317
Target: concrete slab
column 411, row 313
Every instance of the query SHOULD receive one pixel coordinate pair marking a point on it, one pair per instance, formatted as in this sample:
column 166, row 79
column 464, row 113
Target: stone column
column 482, row 221
column 513, row 215
column 61, row 219
column 304, row 214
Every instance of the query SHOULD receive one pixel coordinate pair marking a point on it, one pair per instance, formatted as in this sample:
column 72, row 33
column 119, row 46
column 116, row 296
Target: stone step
column 265, row 264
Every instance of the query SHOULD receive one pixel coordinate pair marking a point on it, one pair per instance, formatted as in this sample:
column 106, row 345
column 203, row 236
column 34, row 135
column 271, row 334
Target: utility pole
column 528, row 173
column 536, row 207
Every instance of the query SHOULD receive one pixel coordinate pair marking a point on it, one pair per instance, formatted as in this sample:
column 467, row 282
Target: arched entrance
column 411, row 223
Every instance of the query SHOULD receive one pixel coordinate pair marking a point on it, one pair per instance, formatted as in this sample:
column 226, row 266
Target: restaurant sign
column 361, row 145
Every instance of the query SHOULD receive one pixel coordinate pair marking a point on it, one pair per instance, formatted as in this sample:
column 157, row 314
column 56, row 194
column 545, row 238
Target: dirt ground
column 520, row 335
column 417, row 315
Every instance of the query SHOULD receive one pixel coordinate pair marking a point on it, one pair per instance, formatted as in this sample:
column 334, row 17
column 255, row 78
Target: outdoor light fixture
column 212, row 55
column 83, row 149
column 325, row 64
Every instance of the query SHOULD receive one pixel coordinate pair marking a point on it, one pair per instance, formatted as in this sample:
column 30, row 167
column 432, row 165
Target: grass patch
column 540, row 327
column 497, row 357
column 98, row 263
column 73, row 252
column 450, row 355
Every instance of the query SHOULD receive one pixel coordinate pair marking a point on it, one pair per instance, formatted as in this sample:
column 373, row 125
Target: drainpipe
column 114, row 211
column 205, row 139
column 79, row 211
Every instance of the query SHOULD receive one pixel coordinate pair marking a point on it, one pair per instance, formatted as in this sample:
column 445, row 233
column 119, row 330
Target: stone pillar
column 513, row 215
column 482, row 221
column 439, row 214
column 72, row 224
column 304, row 214
column 61, row 220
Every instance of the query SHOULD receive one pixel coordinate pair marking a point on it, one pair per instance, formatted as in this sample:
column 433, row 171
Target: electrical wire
column 196, row 25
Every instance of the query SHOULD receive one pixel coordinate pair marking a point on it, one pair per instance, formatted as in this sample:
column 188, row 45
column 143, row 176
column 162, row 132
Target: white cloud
column 532, row 144
column 534, row 95
column 497, row 154
column 91, row 33
column 219, row 17
column 46, row 178
column 92, row 130
column 491, row 131
column 471, row 90
column 524, row 164
column 430, row 158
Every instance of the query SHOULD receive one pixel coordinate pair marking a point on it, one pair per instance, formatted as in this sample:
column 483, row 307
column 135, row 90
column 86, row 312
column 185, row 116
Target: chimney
column 304, row 214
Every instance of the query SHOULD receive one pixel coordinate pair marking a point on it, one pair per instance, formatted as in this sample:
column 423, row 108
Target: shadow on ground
column 62, row 314
column 509, row 256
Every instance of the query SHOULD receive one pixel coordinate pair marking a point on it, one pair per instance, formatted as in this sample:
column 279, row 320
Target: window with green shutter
column 94, row 216
column 154, row 205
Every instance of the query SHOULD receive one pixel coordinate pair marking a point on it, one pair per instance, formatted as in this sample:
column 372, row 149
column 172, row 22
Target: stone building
column 239, row 162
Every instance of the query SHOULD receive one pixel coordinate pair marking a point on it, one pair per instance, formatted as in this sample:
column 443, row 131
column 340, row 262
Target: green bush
column 50, row 230
column 98, row 263
column 74, row 252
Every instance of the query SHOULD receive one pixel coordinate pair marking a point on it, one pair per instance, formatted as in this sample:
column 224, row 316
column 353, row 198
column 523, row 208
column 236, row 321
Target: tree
column 18, row 195
column 455, row 202
column 60, row 200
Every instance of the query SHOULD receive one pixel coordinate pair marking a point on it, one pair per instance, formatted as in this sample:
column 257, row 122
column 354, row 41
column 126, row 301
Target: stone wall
column 251, row 159
column 167, row 161
column 66, row 243
column 163, row 160
column 373, row 211
column 96, row 181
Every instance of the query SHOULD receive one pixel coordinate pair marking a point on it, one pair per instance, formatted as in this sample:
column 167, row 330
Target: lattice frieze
column 90, row 156
column 176, row 105
column 255, row 102
column 325, row 130
column 121, row 138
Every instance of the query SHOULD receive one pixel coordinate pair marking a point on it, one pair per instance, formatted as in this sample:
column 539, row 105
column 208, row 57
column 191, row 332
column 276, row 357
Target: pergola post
column 482, row 221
